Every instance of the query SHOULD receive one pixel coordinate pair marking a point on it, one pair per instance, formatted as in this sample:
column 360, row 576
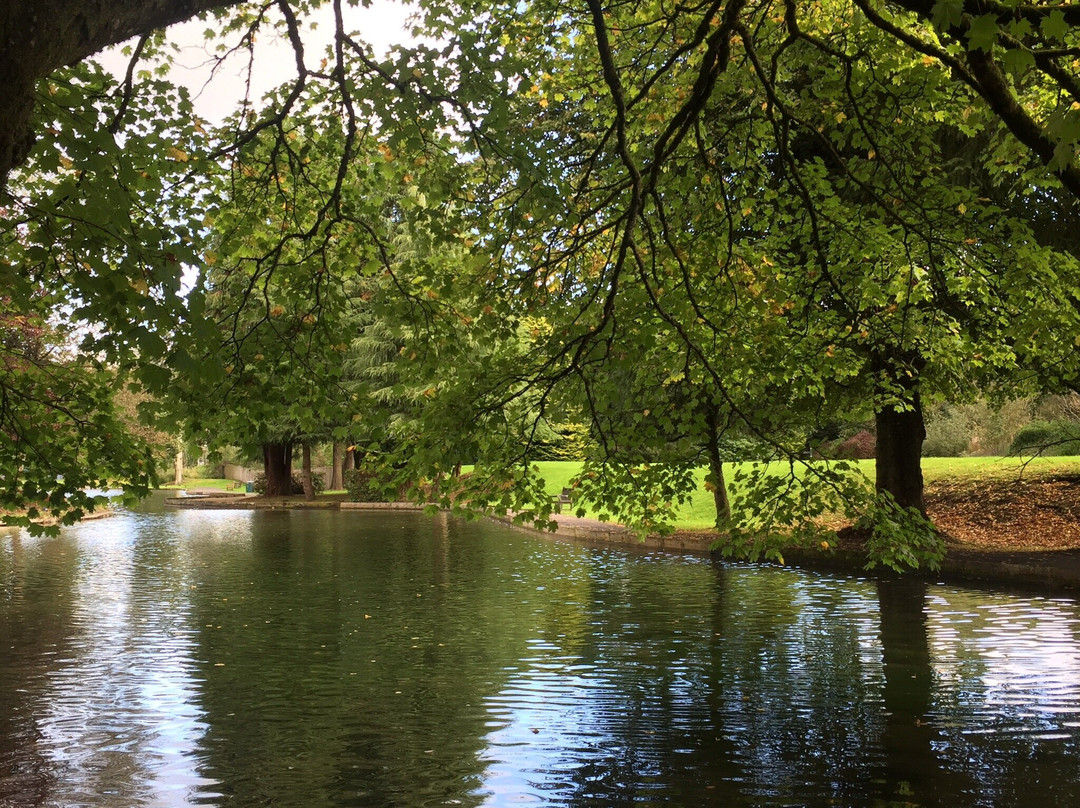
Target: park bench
column 563, row 498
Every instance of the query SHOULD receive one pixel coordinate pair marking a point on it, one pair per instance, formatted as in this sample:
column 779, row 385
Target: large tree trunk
column 337, row 475
column 305, row 474
column 277, row 464
column 900, row 436
column 716, row 468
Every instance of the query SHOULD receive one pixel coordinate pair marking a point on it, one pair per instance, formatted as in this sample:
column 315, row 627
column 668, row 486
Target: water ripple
column 251, row 659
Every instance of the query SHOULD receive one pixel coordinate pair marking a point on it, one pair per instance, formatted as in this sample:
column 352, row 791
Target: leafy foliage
column 674, row 225
column 363, row 486
column 860, row 446
column 93, row 240
column 297, row 487
column 1048, row 437
column 560, row 442
column 776, row 507
column 901, row 539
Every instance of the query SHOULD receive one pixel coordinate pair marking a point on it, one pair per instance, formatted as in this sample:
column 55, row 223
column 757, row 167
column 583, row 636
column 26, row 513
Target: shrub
column 317, row 482
column 1055, row 438
column 207, row 471
column 860, row 446
column 737, row 447
column 363, row 486
column 948, row 432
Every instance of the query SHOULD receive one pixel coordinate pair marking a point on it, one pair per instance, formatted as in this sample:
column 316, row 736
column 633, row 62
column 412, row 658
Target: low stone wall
column 381, row 506
column 609, row 533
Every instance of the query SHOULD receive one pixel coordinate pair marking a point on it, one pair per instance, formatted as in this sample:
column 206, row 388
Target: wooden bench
column 562, row 499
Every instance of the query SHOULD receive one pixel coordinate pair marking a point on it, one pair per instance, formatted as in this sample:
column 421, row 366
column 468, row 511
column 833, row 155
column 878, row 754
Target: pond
column 241, row 658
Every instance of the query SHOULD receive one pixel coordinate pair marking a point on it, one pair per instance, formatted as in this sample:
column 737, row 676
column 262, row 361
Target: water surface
column 240, row 658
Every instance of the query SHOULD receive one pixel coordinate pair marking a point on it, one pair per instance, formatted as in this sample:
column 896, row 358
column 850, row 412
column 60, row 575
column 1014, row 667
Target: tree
column 61, row 436
column 92, row 254
column 280, row 309
column 797, row 161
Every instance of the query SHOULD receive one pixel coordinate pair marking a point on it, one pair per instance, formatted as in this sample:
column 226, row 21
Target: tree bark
column 40, row 36
column 277, row 465
column 716, row 467
column 178, row 466
column 900, row 436
column 305, row 474
column 337, row 475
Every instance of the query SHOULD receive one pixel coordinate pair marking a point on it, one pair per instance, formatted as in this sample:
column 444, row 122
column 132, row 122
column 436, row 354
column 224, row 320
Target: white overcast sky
column 382, row 24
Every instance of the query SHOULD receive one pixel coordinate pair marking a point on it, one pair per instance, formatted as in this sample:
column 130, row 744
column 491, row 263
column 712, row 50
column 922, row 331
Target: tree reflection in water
column 246, row 659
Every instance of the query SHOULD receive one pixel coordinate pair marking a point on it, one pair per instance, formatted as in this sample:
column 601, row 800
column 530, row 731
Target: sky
column 382, row 24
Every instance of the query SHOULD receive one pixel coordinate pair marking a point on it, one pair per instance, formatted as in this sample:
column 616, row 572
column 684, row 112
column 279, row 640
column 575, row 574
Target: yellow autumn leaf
column 179, row 155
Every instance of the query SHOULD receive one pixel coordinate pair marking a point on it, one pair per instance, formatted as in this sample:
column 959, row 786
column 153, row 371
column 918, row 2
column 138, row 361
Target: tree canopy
column 649, row 217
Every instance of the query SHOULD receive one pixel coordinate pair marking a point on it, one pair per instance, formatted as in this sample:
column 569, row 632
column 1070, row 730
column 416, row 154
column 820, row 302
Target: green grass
column 699, row 513
column 981, row 468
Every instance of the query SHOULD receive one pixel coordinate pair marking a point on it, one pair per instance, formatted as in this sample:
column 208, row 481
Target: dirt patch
column 1019, row 515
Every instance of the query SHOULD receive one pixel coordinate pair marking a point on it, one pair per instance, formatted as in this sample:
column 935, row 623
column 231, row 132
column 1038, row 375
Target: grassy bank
column 699, row 514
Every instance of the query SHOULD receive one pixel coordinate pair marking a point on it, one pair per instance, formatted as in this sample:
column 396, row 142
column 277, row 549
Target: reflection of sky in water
column 1007, row 665
column 659, row 706
column 465, row 664
column 117, row 714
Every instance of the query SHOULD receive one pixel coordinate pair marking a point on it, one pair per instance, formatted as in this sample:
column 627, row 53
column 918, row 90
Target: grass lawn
column 699, row 513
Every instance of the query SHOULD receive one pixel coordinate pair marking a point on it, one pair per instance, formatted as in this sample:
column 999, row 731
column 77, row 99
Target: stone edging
column 380, row 506
column 1043, row 572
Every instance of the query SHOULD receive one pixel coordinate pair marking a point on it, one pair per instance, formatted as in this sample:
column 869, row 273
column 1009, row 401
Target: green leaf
column 1053, row 26
column 947, row 14
column 983, row 32
column 1017, row 60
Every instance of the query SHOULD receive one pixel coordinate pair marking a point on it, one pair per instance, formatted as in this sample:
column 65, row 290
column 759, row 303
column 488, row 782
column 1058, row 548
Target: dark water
column 346, row 659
